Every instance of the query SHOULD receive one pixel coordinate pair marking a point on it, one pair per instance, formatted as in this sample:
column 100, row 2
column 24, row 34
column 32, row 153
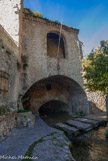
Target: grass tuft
column 106, row 134
column 22, row 111
column 30, row 149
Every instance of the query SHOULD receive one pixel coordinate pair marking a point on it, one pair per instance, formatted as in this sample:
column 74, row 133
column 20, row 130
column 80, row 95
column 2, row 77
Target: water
column 91, row 147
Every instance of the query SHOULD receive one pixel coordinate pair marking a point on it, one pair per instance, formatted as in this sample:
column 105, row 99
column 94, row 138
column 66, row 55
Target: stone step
column 70, row 130
column 94, row 123
column 81, row 126
column 99, row 118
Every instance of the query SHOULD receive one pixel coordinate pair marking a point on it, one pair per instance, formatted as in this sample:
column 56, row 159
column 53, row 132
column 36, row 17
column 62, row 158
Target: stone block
column 81, row 126
column 7, row 123
column 68, row 129
column 94, row 123
column 25, row 119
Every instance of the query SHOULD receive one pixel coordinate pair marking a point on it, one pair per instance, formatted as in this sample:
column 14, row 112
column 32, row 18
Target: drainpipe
column 89, row 107
column 107, row 106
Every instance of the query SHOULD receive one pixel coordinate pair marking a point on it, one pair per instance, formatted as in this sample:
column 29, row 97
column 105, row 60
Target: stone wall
column 66, row 94
column 97, row 100
column 34, row 47
column 30, row 62
column 38, row 65
column 8, row 41
column 25, row 119
column 7, row 123
column 9, row 17
column 9, row 81
column 8, row 72
column 39, row 95
column 8, row 96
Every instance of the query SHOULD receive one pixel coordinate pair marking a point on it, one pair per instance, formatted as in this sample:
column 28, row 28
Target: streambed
column 92, row 146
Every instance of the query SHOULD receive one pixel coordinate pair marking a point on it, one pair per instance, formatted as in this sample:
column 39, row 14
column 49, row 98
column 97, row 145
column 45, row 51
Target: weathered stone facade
column 9, row 17
column 97, row 100
column 8, row 68
column 7, row 123
column 25, row 119
column 61, row 73
column 32, row 64
column 9, row 82
column 34, row 47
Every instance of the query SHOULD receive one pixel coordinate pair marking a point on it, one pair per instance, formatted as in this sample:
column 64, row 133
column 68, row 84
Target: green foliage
column 30, row 149
column 80, row 113
column 25, row 66
column 106, row 134
column 96, row 69
column 4, row 110
column 37, row 14
column 34, row 14
column 57, row 22
column 22, row 100
column 22, row 111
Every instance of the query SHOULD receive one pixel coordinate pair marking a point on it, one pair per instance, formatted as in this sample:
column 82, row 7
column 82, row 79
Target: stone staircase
column 82, row 124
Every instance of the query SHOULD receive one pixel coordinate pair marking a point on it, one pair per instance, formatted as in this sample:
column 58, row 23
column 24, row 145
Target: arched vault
column 60, row 89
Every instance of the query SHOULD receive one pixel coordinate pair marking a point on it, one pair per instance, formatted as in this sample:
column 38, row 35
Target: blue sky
column 90, row 16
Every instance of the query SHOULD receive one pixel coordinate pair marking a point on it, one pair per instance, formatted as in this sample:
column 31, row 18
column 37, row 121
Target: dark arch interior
column 52, row 45
column 52, row 107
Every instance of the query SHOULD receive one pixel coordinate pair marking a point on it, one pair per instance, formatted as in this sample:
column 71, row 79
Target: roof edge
column 30, row 16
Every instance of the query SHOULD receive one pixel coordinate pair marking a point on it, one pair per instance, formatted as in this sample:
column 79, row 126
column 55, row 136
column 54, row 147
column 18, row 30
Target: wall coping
column 30, row 16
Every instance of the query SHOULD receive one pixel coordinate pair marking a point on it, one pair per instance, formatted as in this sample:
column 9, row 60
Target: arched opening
column 52, row 107
column 52, row 45
column 56, row 90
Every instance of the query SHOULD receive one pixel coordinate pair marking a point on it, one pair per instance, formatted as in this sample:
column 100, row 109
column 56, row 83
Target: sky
column 89, row 16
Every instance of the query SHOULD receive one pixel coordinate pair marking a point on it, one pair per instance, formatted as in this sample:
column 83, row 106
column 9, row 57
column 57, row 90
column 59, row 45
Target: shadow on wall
column 95, row 109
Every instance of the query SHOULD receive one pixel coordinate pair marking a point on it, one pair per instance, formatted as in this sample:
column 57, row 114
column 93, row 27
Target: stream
column 91, row 146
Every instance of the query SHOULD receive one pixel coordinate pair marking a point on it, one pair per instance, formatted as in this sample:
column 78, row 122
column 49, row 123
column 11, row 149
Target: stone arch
column 52, row 45
column 53, row 106
column 58, row 88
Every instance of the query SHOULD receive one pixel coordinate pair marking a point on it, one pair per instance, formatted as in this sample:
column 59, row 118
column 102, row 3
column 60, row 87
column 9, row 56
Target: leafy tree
column 95, row 68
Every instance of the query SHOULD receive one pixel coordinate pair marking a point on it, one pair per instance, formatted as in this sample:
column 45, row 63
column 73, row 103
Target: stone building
column 32, row 64
column 50, row 78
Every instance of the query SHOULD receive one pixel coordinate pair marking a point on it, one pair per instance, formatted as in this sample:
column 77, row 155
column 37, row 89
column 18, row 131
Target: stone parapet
column 7, row 123
column 49, row 22
column 25, row 119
